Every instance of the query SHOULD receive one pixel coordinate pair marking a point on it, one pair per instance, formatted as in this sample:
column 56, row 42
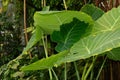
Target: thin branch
column 25, row 28
column 64, row 2
column 44, row 3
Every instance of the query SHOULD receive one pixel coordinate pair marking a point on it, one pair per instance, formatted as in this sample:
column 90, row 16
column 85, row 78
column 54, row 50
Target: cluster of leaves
column 78, row 35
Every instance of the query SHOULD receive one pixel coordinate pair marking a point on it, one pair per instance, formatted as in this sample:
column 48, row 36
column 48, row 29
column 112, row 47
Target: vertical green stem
column 65, row 4
column 54, row 74
column 77, row 72
column 65, row 72
column 46, row 54
column 89, row 69
column 91, row 75
column 84, row 71
column 101, row 68
column 50, row 74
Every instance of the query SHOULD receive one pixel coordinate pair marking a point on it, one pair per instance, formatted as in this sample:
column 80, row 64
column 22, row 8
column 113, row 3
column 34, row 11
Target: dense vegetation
column 68, row 39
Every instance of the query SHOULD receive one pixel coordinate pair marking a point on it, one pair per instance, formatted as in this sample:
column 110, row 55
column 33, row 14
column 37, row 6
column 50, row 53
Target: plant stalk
column 101, row 68
column 65, row 72
column 90, row 68
column 64, row 2
column 46, row 54
column 25, row 28
column 77, row 72
column 84, row 71
column 54, row 74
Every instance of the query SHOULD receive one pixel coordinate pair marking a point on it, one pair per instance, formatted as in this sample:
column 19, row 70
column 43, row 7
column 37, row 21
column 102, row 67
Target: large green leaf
column 93, row 11
column 106, row 39
column 108, row 22
column 69, row 34
column 46, row 63
column 95, row 45
column 50, row 21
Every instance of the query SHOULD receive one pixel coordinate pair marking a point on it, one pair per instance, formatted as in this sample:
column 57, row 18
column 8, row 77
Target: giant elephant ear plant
column 77, row 34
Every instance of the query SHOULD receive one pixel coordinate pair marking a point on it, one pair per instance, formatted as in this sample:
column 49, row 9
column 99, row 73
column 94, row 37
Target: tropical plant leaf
column 93, row 11
column 46, row 63
column 114, row 54
column 37, row 35
column 95, row 45
column 108, row 22
column 69, row 34
column 51, row 21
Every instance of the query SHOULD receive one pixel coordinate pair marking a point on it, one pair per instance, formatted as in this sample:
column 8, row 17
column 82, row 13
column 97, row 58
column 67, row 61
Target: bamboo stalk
column 26, row 37
column 25, row 28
